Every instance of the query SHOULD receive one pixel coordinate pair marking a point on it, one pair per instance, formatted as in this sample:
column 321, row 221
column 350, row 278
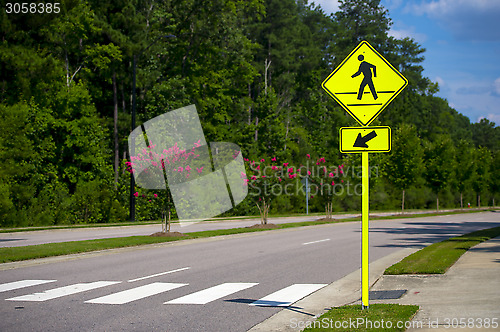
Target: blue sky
column 462, row 42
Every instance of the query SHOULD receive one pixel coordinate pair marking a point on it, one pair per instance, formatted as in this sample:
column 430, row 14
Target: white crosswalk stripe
column 63, row 291
column 22, row 284
column 213, row 293
column 136, row 293
column 281, row 298
column 287, row 296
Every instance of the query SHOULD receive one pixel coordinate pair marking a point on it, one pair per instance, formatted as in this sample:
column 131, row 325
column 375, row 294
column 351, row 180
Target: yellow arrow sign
column 365, row 139
column 364, row 83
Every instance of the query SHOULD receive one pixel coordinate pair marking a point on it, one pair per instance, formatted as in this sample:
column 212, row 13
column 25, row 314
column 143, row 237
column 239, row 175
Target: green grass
column 13, row 254
column 438, row 257
column 350, row 315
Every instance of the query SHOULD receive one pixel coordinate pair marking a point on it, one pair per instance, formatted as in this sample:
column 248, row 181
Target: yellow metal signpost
column 364, row 84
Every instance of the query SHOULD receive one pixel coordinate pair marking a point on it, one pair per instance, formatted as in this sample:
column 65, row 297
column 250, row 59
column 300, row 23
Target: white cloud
column 409, row 32
column 496, row 87
column 445, row 7
column 393, row 4
column 329, row 6
column 440, row 81
column 466, row 19
column 492, row 117
column 469, row 95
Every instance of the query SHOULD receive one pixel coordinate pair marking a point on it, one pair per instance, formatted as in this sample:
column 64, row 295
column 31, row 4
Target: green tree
column 16, row 152
column 486, row 134
column 359, row 20
column 405, row 162
column 439, row 159
column 483, row 159
column 466, row 167
column 495, row 176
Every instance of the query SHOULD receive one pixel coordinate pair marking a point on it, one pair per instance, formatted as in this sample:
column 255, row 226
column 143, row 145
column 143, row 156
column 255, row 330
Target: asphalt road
column 78, row 234
column 249, row 267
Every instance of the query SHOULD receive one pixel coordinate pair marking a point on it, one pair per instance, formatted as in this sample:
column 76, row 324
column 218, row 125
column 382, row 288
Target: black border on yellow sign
column 383, row 106
column 359, row 150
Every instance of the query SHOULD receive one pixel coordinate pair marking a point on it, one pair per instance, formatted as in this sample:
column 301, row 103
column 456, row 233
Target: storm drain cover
column 387, row 294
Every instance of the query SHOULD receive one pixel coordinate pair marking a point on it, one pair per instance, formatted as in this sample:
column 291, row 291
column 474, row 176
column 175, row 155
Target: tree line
column 253, row 68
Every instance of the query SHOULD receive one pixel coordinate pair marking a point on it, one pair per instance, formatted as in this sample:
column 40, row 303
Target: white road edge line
column 160, row 274
column 315, row 241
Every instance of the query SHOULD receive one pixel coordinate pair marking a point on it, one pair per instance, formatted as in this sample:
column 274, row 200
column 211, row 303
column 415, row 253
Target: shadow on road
column 8, row 240
column 421, row 233
column 271, row 304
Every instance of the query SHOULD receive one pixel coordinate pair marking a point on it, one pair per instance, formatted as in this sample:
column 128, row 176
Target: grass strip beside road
column 439, row 257
column 378, row 317
column 13, row 254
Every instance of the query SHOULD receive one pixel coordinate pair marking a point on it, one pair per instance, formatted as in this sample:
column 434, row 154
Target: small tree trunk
column 264, row 211
column 286, row 133
column 437, row 203
column 267, row 64
column 461, row 201
column 403, row 203
column 249, row 107
column 256, row 138
column 115, row 129
column 261, row 214
column 163, row 222
column 122, row 92
column 329, row 210
column 169, row 221
column 478, row 200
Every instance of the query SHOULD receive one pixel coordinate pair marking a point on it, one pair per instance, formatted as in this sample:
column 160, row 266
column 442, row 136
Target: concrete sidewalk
column 468, row 294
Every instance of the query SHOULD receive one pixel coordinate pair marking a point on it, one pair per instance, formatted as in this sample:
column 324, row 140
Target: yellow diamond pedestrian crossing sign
column 364, row 83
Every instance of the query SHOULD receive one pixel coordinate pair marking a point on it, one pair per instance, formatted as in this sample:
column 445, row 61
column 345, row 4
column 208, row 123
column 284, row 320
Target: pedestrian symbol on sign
column 366, row 69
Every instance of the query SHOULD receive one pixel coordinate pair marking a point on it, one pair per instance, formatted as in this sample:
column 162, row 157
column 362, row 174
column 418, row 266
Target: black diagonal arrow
column 361, row 141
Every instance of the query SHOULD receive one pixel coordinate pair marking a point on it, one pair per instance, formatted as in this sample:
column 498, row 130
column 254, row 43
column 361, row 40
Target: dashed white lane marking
column 211, row 294
column 160, row 274
column 21, row 284
column 63, row 291
column 136, row 293
column 316, row 241
column 287, row 296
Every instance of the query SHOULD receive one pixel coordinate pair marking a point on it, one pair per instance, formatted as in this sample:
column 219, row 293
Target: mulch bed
column 266, row 226
column 326, row 219
column 168, row 234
